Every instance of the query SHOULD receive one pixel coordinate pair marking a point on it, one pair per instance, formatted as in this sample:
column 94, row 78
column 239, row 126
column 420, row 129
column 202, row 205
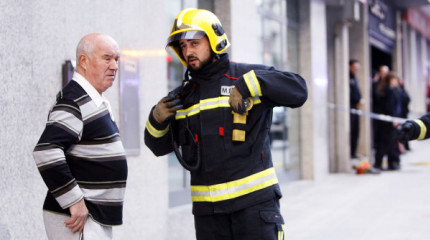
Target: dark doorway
column 379, row 58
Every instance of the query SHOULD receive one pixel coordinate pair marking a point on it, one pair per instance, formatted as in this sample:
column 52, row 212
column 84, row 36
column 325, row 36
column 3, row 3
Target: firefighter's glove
column 406, row 131
column 166, row 109
column 237, row 102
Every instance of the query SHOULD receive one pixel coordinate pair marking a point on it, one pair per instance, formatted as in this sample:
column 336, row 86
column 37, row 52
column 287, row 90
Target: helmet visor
column 185, row 35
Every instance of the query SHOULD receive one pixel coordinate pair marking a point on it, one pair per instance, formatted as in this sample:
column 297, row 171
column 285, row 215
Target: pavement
column 393, row 205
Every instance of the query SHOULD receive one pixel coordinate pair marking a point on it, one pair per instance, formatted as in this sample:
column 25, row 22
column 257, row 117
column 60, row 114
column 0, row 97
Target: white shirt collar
column 98, row 98
column 92, row 92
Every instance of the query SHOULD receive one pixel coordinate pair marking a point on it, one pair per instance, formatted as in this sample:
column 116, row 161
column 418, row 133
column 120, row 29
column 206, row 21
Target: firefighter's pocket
column 271, row 217
column 273, row 224
column 188, row 144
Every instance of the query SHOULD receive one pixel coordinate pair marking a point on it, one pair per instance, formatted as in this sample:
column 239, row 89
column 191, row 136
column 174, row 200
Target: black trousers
column 388, row 145
column 355, row 129
column 258, row 222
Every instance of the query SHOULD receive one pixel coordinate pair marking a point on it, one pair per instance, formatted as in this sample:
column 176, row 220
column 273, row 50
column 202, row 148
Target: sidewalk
column 388, row 206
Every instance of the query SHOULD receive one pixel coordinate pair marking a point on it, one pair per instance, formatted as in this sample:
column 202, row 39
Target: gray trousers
column 56, row 230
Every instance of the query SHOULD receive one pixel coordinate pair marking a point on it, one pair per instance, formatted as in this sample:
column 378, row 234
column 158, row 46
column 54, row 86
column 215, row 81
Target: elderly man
column 80, row 155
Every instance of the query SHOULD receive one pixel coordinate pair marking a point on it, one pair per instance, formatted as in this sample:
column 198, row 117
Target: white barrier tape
column 373, row 115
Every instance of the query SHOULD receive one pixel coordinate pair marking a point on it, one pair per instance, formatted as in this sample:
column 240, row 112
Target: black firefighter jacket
column 423, row 124
column 233, row 175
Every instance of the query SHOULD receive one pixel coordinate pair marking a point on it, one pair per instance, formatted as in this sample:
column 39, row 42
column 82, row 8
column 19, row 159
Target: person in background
column 383, row 70
column 405, row 99
column 389, row 92
column 355, row 103
column 80, row 154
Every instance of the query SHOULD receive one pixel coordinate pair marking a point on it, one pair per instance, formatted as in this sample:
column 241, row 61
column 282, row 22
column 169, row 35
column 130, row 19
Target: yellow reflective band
column 155, row 132
column 281, row 233
column 256, row 83
column 423, row 129
column 256, row 100
column 188, row 112
column 212, row 103
column 205, row 104
column 234, row 189
column 248, row 83
column 253, row 84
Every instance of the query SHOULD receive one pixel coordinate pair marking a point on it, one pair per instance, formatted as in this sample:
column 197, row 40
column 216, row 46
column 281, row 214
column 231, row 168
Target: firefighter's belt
column 234, row 189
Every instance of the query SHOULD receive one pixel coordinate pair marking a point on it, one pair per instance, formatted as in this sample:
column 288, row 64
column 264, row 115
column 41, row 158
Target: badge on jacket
column 226, row 90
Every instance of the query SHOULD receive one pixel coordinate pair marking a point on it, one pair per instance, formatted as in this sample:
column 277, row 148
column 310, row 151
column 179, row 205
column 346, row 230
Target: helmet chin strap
column 187, row 74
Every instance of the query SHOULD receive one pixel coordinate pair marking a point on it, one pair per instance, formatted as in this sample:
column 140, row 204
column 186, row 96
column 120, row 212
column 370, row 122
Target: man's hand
column 405, row 131
column 79, row 214
column 360, row 104
column 165, row 109
column 377, row 77
column 236, row 101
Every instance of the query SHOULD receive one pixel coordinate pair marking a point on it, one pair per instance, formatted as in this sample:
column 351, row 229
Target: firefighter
column 220, row 118
column 415, row 129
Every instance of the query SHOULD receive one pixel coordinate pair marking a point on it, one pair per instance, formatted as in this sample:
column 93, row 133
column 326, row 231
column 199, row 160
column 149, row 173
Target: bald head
column 86, row 44
column 97, row 58
column 383, row 70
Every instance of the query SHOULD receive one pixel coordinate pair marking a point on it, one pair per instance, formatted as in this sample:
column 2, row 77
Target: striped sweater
column 80, row 155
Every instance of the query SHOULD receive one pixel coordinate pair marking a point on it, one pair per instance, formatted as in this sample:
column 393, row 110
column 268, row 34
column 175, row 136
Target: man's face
column 383, row 71
column 197, row 52
column 394, row 82
column 354, row 68
column 103, row 64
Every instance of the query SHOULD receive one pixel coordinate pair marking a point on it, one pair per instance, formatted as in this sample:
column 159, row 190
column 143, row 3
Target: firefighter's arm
column 415, row 129
column 157, row 130
column 280, row 88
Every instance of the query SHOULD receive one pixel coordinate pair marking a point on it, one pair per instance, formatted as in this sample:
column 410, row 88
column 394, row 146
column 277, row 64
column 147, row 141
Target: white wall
column 415, row 50
column 319, row 87
column 313, row 68
column 36, row 38
column 246, row 32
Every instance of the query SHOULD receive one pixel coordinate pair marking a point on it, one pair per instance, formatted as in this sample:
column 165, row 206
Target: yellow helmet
column 194, row 24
